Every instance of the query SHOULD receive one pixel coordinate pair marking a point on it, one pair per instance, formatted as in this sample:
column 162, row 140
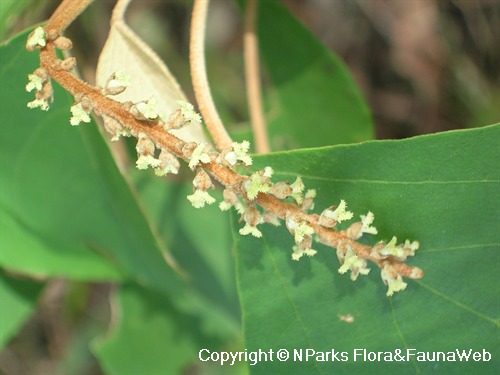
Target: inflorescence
column 255, row 197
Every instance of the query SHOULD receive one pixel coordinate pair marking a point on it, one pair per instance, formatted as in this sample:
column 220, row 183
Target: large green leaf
column 49, row 185
column 17, row 302
column 9, row 11
column 30, row 253
column 200, row 241
column 151, row 337
column 443, row 190
column 314, row 100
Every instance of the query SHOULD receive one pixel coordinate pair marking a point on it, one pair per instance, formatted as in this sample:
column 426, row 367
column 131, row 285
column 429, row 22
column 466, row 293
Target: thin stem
column 252, row 75
column 119, row 10
column 199, row 76
column 64, row 15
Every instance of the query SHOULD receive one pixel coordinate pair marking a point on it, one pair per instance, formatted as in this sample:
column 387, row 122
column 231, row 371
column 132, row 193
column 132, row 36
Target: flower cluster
column 255, row 197
column 40, row 82
column 202, row 182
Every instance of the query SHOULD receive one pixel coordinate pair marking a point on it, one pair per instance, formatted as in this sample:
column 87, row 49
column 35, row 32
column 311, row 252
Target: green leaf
column 315, row 100
column 25, row 251
column 147, row 328
column 442, row 190
column 18, row 300
column 170, row 341
column 49, row 183
column 9, row 11
column 199, row 239
column 152, row 337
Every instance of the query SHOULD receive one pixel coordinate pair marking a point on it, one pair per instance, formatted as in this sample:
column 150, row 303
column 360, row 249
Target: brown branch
column 227, row 177
column 64, row 15
column 94, row 99
column 119, row 10
column 199, row 76
column 252, row 75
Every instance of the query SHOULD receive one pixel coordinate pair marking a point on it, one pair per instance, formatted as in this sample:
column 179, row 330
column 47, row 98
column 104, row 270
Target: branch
column 255, row 197
column 252, row 75
column 64, row 15
column 199, row 76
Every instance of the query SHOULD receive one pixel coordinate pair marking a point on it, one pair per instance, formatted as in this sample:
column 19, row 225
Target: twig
column 252, row 75
column 64, row 15
column 225, row 176
column 245, row 193
column 119, row 10
column 199, row 76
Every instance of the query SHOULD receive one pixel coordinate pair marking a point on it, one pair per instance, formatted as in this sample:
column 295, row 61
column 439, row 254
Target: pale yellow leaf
column 125, row 51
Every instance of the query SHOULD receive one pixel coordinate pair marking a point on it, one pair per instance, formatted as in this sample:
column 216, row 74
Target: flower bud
column 63, row 43
column 202, row 181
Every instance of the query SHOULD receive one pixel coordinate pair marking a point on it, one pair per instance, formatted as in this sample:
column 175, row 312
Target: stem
column 119, row 10
column 199, row 76
column 64, row 15
column 105, row 106
column 223, row 175
column 252, row 75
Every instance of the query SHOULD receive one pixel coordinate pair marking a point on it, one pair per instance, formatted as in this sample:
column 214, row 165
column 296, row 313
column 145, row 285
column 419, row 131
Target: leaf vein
column 384, row 182
column 401, row 335
column 495, row 322
column 290, row 299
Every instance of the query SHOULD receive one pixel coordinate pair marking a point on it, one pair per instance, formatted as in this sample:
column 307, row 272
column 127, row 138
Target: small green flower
column 146, row 110
column 249, row 229
column 199, row 198
column 257, row 183
column 144, row 161
column 393, row 280
column 225, row 206
column 308, row 201
column 117, row 83
column 187, row 110
column 239, row 153
column 268, row 172
column 299, row 253
column 199, row 156
column 311, row 193
column 366, row 221
column 411, row 247
column 339, row 214
column 37, row 39
column 392, row 249
column 168, row 164
column 35, row 83
column 78, row 115
column 42, row 103
column 354, row 263
column 299, row 230
column 297, row 189
column 120, row 133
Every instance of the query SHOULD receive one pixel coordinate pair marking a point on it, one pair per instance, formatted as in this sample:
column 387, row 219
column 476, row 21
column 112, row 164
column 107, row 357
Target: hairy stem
column 252, row 75
column 64, row 15
column 227, row 177
column 119, row 10
column 245, row 193
column 199, row 76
